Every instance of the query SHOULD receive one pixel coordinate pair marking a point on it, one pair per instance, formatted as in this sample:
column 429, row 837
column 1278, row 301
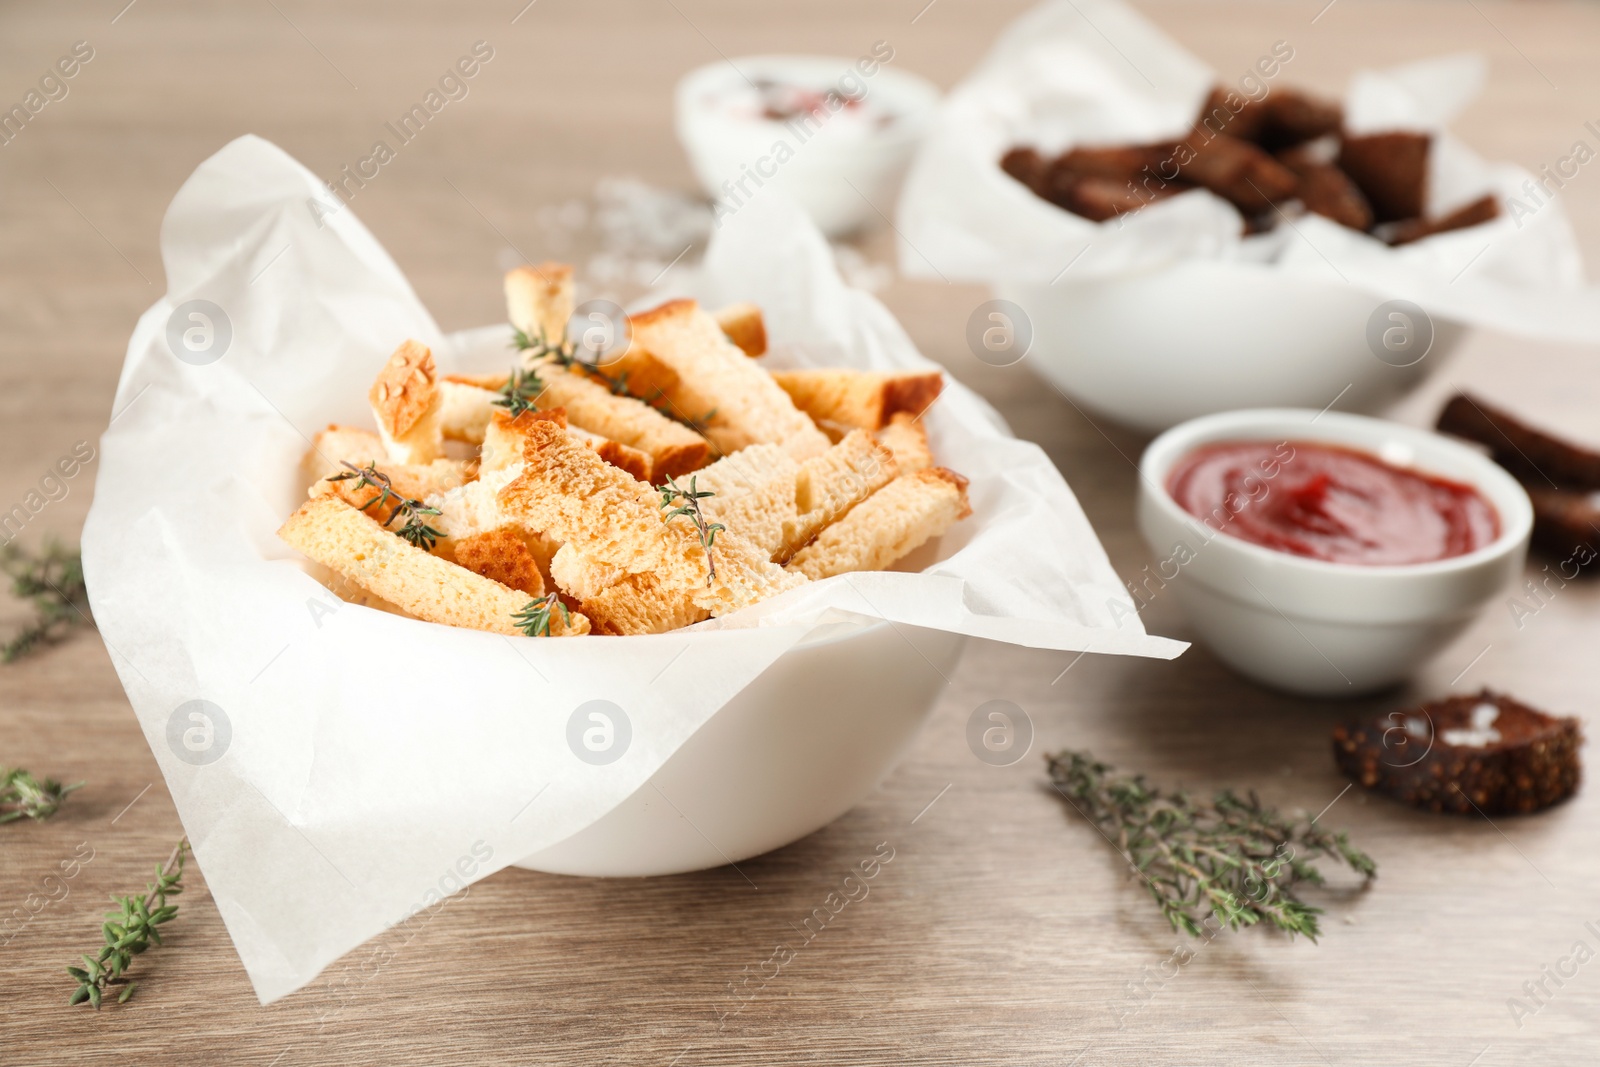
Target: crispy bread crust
column 566, row 490
column 907, row 438
column 893, row 522
column 864, row 399
column 735, row 400
column 744, row 326
column 539, row 300
column 404, row 389
column 503, row 556
column 429, row 587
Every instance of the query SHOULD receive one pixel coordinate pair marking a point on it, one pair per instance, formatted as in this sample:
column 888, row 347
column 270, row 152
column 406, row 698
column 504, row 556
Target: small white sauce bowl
column 842, row 167
column 1306, row 625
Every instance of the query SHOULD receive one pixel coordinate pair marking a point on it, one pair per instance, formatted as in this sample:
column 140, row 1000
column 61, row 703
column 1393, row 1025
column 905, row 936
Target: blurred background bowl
column 1152, row 350
column 843, row 169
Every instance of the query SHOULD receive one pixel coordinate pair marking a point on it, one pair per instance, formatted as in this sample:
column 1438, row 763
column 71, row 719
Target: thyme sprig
column 686, row 502
column 700, row 426
column 537, row 345
column 565, row 353
column 1233, row 858
column 520, row 392
column 52, row 581
column 413, row 529
column 534, row 620
column 23, row 794
column 129, row 931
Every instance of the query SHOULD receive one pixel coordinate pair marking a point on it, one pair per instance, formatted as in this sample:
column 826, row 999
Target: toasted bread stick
column 865, row 399
column 888, row 525
column 344, row 539
column 405, row 400
column 736, row 401
column 744, row 326
column 907, row 437
column 539, row 301
column 829, row 485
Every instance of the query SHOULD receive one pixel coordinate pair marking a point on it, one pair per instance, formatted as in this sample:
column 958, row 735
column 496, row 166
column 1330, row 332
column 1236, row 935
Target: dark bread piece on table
column 1476, row 213
column 1483, row 753
column 1326, row 190
column 1566, row 516
column 1535, row 457
column 1391, row 169
column 1566, row 524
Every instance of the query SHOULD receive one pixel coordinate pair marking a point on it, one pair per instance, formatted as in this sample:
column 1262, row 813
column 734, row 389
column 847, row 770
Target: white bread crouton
column 673, row 448
column 338, row 445
column 332, row 448
column 338, row 536
column 639, row 604
column 491, row 382
column 829, row 485
column 745, row 575
column 640, row 374
column 504, row 436
column 473, row 508
column 350, row 593
column 889, row 524
column 754, row 493
column 581, row 577
column 410, row 480
column 567, row 491
column 636, row 462
column 907, row 438
column 405, row 400
column 736, row 400
column 836, row 431
column 744, row 326
column 644, row 603
column 860, row 398
column 615, row 526
column 539, row 301
column 464, row 409
column 503, row 555
column 503, row 440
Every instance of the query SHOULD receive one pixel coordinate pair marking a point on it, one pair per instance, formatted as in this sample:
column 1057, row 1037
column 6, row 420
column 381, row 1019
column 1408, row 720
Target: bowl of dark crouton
column 1150, row 348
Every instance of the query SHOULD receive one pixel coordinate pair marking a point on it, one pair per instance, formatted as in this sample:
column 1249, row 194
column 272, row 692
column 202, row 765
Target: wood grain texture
column 1003, row 931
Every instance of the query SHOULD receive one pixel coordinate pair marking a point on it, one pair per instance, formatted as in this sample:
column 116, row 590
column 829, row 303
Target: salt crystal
column 1482, row 731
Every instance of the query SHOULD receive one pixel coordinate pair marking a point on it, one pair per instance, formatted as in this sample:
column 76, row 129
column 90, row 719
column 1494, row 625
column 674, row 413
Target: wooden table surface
column 1004, row 931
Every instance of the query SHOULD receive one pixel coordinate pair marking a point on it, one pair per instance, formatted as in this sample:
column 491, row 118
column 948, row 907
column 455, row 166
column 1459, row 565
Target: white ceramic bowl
column 842, row 172
column 1152, row 350
column 1318, row 628
column 794, row 750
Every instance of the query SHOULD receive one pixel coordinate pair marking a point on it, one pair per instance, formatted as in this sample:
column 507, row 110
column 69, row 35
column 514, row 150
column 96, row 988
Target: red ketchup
column 1330, row 503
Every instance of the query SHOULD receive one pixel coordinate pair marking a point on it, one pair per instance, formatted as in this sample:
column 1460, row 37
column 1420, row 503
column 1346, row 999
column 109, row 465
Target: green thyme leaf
column 1232, row 860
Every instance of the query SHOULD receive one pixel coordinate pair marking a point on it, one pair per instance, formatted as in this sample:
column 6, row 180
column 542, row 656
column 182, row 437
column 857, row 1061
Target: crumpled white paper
column 1097, row 72
column 363, row 764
